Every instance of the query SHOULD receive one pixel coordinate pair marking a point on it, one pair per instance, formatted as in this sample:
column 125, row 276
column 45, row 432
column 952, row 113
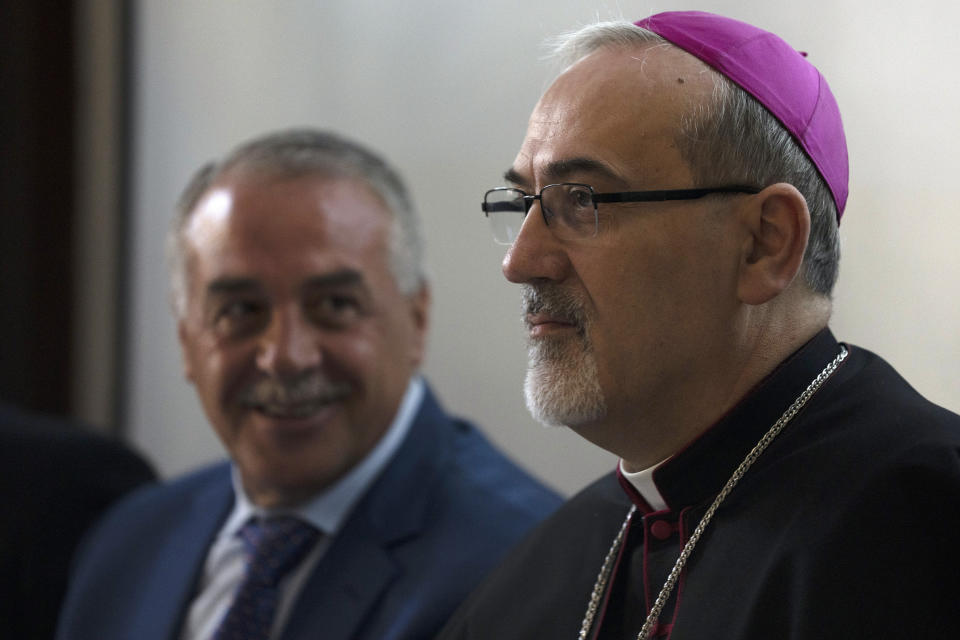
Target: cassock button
column 661, row 529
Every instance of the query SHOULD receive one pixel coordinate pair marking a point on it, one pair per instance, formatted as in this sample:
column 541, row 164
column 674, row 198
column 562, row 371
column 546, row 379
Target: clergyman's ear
column 778, row 226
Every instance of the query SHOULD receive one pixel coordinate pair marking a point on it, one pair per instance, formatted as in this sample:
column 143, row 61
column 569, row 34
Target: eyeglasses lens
column 506, row 210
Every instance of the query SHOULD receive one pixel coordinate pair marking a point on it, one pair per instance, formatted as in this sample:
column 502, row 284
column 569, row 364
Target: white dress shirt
column 224, row 567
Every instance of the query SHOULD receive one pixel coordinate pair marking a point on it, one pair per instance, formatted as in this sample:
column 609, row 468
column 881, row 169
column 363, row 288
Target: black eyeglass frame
column 618, row 196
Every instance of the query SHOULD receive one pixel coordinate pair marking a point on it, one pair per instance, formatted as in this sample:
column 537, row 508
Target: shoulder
column 466, row 489
column 487, row 495
column 871, row 418
column 541, row 586
column 143, row 556
column 868, row 384
column 467, row 499
column 157, row 503
column 155, row 514
column 868, row 425
column 882, row 499
column 873, row 457
column 469, row 473
column 888, row 442
column 443, row 512
column 480, row 469
column 156, row 521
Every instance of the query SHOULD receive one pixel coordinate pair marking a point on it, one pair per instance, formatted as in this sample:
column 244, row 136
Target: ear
column 777, row 224
column 420, row 316
column 183, row 337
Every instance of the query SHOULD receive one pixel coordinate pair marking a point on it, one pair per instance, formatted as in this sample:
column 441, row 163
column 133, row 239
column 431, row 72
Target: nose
column 290, row 344
column 535, row 254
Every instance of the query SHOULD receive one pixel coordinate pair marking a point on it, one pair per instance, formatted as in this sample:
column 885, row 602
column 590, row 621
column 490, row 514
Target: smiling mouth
column 295, row 410
column 296, row 405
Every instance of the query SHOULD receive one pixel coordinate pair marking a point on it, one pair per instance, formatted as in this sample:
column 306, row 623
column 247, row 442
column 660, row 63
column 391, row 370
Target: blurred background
column 109, row 106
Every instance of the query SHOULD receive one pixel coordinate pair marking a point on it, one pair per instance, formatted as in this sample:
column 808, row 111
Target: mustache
column 556, row 301
column 309, row 387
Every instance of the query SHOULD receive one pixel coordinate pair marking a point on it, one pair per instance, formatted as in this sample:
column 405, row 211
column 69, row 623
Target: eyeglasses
column 570, row 209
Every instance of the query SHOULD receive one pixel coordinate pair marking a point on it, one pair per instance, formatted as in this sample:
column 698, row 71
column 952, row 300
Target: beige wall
column 444, row 88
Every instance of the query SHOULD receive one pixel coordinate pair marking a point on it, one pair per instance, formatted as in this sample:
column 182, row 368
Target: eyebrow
column 226, row 286
column 340, row 278
column 234, row 285
column 513, row 176
column 562, row 169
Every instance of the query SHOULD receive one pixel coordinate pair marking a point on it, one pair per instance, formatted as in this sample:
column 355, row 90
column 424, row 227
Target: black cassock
column 847, row 526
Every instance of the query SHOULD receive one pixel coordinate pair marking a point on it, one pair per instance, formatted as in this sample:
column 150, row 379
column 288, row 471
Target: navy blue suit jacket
column 436, row 520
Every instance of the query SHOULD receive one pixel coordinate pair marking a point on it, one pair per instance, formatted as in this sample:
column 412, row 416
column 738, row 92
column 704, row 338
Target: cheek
column 375, row 356
column 624, row 287
column 352, row 354
column 220, row 371
column 638, row 302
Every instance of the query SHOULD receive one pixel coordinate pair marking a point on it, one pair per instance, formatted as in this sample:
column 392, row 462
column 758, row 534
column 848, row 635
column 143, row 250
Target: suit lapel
column 180, row 560
column 358, row 568
column 346, row 584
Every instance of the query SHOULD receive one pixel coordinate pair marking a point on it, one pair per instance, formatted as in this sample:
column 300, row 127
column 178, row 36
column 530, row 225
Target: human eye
column 239, row 316
column 334, row 309
column 574, row 206
column 580, row 196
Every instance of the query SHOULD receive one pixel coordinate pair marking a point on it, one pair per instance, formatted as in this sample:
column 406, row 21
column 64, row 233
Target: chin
column 563, row 389
column 563, row 405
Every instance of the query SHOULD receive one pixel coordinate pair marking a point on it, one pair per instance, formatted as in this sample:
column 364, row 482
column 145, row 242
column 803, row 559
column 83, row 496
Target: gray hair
column 300, row 152
column 733, row 139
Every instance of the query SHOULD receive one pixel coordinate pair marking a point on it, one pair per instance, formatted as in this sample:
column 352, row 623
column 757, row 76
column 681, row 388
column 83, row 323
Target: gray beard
column 562, row 387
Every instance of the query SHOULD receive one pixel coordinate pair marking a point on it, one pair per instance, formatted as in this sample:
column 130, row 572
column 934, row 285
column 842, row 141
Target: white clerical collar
column 328, row 510
column 643, row 482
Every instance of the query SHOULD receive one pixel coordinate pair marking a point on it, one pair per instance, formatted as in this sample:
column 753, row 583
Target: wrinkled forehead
column 621, row 104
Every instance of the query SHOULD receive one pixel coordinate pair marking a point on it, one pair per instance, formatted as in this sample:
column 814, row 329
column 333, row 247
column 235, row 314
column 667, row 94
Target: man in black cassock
column 672, row 218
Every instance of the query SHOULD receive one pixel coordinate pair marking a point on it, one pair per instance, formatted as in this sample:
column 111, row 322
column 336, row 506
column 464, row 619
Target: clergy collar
column 641, row 488
column 697, row 472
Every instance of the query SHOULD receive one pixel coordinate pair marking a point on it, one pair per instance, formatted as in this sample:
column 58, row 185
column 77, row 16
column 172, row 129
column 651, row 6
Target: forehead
column 620, row 107
column 254, row 224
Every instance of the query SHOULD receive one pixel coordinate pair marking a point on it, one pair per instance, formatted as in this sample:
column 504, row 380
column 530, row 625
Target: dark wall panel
column 36, row 202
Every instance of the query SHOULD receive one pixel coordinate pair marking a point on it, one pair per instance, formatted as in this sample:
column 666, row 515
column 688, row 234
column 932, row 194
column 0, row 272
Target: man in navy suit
column 302, row 312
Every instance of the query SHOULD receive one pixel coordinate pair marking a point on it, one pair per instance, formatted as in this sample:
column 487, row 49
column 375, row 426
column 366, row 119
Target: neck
column 715, row 383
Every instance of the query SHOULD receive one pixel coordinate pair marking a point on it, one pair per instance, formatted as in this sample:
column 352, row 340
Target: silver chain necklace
column 600, row 586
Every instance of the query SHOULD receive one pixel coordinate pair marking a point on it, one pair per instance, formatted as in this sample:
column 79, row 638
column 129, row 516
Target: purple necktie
column 273, row 547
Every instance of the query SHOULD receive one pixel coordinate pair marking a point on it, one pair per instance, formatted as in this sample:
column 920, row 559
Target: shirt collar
column 698, row 472
column 328, row 510
column 642, row 482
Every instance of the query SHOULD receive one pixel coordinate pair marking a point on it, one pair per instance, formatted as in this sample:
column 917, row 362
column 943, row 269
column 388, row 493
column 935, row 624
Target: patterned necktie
column 273, row 546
